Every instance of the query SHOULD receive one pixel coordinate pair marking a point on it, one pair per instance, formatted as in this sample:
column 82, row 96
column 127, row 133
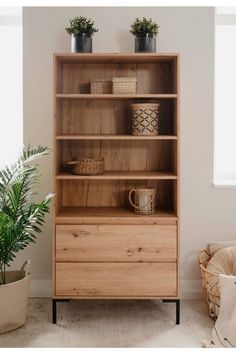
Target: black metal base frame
column 177, row 303
column 54, row 308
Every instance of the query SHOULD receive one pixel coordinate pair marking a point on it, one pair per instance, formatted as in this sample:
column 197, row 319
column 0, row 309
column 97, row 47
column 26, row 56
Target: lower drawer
column 116, row 279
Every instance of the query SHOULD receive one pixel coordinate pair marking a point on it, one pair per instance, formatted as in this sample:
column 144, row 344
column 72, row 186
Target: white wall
column 206, row 213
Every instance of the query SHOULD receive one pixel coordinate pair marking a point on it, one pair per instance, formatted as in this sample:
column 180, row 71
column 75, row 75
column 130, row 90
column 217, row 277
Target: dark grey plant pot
column 81, row 43
column 145, row 42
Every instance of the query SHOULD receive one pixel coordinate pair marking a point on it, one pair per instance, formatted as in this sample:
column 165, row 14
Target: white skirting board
column 189, row 289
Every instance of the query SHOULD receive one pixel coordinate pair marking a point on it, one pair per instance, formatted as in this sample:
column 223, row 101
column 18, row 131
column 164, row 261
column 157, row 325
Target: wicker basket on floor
column 87, row 166
column 100, row 86
column 210, row 281
column 124, row 85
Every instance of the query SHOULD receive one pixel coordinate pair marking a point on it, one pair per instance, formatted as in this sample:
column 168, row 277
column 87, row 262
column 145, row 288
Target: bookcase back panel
column 110, row 116
column 123, row 155
column 156, row 77
column 113, row 193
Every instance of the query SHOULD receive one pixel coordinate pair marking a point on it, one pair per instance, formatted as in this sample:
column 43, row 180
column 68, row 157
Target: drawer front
column 112, row 243
column 116, row 279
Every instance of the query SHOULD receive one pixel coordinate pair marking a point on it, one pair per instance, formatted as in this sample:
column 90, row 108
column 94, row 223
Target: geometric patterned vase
column 145, row 118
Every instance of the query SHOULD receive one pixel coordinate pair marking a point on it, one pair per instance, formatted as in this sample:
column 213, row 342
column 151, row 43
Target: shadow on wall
column 126, row 41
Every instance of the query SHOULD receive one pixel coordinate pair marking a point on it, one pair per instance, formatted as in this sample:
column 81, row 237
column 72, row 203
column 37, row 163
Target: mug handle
column 130, row 199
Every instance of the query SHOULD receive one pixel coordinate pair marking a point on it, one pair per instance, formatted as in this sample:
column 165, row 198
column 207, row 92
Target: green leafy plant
column 21, row 218
column 143, row 26
column 80, row 24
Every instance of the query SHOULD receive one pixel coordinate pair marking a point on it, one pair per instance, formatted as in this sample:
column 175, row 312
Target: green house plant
column 21, row 219
column 81, row 30
column 145, row 32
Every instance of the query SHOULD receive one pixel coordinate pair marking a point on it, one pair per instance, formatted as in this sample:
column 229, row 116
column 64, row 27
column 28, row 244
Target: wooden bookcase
column 102, row 249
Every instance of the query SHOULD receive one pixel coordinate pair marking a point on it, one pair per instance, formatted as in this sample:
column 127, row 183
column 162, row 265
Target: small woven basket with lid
column 124, row 85
column 100, row 86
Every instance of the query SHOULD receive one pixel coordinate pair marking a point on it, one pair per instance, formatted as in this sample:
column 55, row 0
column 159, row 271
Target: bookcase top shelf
column 115, row 57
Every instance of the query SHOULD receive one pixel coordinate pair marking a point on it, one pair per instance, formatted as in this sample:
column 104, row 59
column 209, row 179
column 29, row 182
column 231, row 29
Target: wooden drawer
column 116, row 243
column 116, row 279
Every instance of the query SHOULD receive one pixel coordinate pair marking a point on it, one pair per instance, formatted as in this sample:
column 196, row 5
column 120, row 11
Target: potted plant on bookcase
column 145, row 32
column 81, row 30
column 21, row 219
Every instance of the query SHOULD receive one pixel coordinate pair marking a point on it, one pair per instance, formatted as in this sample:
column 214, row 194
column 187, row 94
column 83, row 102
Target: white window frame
column 11, row 88
column 223, row 16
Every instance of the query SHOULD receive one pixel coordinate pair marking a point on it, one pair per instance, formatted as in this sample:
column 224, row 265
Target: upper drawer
column 111, row 243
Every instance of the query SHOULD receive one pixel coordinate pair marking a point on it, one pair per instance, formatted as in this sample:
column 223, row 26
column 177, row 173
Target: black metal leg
column 177, row 312
column 54, row 308
column 177, row 303
column 54, row 311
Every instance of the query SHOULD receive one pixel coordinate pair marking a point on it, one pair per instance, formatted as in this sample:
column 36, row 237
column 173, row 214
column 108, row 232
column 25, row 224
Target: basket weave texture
column 210, row 284
column 145, row 118
column 124, row 85
column 100, row 86
column 87, row 166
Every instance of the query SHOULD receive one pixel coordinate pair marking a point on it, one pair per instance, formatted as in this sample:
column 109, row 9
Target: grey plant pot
column 81, row 43
column 14, row 298
column 145, row 43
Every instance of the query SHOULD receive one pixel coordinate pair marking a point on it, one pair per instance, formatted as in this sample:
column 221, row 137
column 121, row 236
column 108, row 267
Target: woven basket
column 145, row 118
column 100, row 86
column 87, row 166
column 210, row 281
column 124, row 85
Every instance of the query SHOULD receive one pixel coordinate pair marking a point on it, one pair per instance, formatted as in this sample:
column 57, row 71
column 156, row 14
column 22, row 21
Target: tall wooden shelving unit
column 102, row 249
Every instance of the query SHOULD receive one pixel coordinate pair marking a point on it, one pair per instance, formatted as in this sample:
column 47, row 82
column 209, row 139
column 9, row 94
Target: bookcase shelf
column 77, row 96
column 114, row 137
column 153, row 175
column 117, row 215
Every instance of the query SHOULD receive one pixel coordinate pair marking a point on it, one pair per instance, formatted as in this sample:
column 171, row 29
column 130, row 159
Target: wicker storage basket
column 87, row 166
column 100, row 86
column 208, row 279
column 145, row 118
column 124, row 85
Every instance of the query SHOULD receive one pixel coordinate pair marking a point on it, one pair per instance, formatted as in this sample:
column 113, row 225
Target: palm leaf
column 21, row 219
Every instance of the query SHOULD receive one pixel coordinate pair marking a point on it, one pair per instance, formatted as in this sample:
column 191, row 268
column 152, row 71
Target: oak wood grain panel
column 116, row 243
column 153, row 78
column 113, row 216
column 113, row 193
column 122, row 155
column 114, row 137
column 111, row 96
column 116, row 279
column 109, row 117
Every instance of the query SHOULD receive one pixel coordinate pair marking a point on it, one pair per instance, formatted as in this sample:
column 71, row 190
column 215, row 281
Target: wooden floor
column 113, row 323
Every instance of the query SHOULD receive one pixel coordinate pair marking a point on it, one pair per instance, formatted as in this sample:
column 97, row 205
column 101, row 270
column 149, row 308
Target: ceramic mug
column 144, row 200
